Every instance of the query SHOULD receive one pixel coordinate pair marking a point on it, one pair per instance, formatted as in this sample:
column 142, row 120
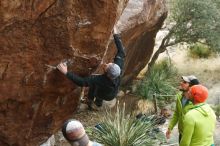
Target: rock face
column 35, row 99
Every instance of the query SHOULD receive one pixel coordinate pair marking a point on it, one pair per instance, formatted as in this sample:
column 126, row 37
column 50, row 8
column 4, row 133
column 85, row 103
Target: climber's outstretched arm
column 80, row 81
column 119, row 58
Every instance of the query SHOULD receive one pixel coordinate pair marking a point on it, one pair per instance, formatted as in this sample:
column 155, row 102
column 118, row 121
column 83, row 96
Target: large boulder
column 35, row 99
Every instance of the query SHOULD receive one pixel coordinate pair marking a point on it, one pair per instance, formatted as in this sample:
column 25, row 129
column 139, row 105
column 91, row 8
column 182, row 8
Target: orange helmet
column 199, row 93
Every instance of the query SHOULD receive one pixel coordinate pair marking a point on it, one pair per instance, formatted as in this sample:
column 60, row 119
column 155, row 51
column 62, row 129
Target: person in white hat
column 183, row 104
column 75, row 134
column 103, row 88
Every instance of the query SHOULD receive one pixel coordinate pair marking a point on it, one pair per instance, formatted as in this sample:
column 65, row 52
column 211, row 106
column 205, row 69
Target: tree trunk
column 164, row 44
column 161, row 49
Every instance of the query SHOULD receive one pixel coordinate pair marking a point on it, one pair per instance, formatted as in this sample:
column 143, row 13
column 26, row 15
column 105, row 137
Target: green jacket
column 179, row 113
column 199, row 125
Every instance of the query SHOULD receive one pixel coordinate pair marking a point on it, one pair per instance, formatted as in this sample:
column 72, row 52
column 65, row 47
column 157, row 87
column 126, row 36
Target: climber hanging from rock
column 103, row 88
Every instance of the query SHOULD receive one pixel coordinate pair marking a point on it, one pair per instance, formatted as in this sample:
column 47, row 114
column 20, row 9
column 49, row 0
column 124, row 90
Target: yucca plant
column 162, row 79
column 119, row 129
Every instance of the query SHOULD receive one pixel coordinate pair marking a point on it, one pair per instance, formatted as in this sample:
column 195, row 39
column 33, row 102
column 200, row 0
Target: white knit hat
column 113, row 70
column 75, row 129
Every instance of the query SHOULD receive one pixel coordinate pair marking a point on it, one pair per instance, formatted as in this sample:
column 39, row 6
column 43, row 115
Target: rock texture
column 34, row 99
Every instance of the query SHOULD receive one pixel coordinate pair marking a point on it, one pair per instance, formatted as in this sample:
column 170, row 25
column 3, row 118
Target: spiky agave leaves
column 160, row 80
column 119, row 129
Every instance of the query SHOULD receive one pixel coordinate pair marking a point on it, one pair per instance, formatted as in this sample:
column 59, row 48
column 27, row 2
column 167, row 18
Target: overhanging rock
column 35, row 100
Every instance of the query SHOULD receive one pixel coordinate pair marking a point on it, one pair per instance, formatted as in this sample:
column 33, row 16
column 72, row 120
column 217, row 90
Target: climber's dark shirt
column 103, row 86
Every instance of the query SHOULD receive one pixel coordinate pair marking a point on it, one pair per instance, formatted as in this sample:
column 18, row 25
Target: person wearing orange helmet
column 199, row 122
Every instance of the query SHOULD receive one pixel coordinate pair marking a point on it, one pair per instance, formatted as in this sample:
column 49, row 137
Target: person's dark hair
column 194, row 82
column 64, row 130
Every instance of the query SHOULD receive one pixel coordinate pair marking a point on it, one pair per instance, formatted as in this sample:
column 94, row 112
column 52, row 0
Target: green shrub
column 162, row 79
column 199, row 51
column 119, row 129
